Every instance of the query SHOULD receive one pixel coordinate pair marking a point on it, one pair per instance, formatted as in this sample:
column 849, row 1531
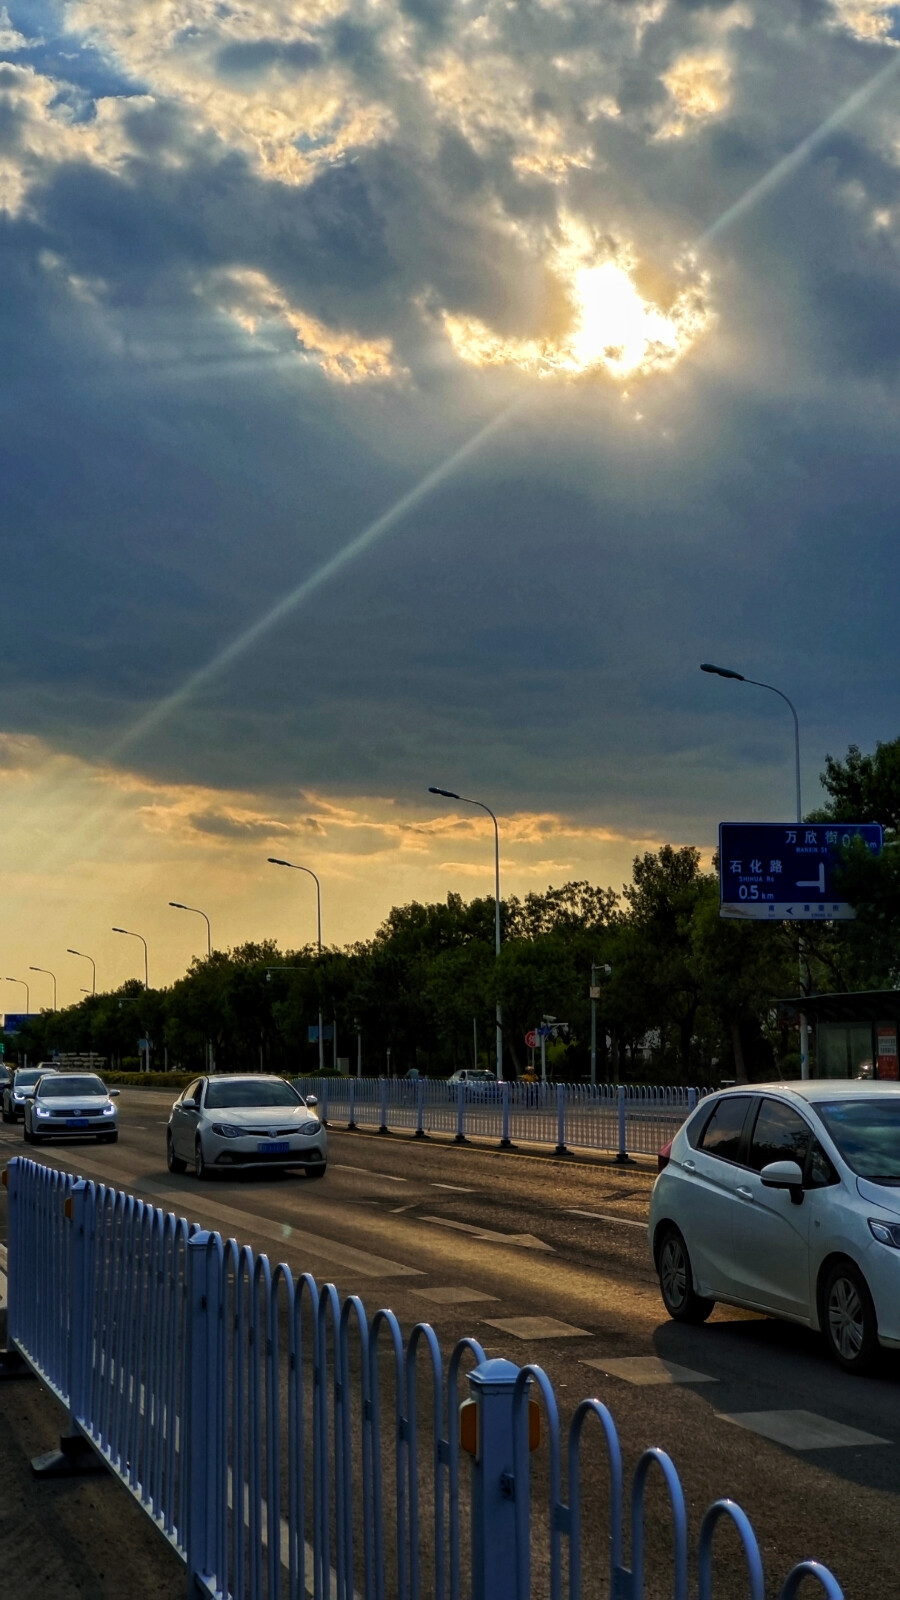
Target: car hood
column 260, row 1116
column 72, row 1102
column 880, row 1194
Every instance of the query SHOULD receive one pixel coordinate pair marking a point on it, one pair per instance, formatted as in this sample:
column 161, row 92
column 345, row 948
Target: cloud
column 265, row 270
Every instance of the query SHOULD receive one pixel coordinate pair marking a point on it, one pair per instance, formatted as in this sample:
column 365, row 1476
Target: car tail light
column 662, row 1158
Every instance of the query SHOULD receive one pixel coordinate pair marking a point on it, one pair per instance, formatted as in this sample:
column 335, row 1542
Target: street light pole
column 448, row 794
column 93, row 967
column 726, row 672
column 27, row 989
column 177, row 906
column 275, row 861
column 49, row 974
column 130, row 935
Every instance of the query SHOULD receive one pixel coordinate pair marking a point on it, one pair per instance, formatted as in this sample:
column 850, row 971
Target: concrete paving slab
column 451, row 1296
column 800, row 1430
column 644, row 1370
column 538, row 1328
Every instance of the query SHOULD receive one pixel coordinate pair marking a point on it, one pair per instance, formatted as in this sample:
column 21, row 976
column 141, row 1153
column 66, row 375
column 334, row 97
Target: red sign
column 888, row 1065
column 531, row 1038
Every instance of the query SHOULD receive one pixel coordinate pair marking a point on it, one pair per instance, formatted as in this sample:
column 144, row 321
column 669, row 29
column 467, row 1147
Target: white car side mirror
column 782, row 1175
column 312, row 1100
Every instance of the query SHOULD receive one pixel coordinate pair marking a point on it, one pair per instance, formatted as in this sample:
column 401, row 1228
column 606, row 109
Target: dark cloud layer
column 219, row 366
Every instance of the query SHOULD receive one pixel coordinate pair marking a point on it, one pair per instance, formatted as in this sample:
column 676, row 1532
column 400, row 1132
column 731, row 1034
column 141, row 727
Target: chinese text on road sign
column 785, row 872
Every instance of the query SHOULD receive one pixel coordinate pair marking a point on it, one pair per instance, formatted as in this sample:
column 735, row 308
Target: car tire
column 173, row 1162
column 6, row 1115
column 200, row 1167
column 26, row 1135
column 676, row 1280
column 315, row 1172
column 847, row 1318
column 108, row 1138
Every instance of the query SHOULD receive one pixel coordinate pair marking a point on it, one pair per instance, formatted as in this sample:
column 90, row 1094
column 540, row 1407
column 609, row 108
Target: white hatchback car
column 221, row 1123
column 785, row 1198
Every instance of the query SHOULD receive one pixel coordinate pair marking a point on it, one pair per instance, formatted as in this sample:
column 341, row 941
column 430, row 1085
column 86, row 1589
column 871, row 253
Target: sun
column 613, row 329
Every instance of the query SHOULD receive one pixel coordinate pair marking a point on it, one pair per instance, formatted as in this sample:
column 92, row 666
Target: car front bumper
column 245, row 1152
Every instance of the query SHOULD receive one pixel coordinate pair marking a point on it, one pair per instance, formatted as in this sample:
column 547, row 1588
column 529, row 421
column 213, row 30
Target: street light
column 275, row 861
column 130, row 935
column 726, row 672
column 448, row 794
column 49, row 975
column 177, row 906
column 27, row 992
column 93, row 966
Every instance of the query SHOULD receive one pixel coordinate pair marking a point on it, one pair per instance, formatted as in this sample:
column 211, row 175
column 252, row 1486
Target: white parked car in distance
column 71, row 1105
column 785, row 1198
column 224, row 1122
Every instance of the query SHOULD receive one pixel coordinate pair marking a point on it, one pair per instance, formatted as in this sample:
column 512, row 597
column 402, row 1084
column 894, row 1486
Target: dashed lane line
column 344, row 1166
column 600, row 1216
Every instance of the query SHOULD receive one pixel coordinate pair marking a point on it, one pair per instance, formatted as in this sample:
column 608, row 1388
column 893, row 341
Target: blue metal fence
column 289, row 1445
column 622, row 1119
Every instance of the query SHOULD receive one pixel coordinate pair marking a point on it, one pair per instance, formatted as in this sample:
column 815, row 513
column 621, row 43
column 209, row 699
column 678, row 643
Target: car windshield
column 63, row 1088
column 24, row 1080
column 247, row 1092
column 867, row 1133
column 481, row 1077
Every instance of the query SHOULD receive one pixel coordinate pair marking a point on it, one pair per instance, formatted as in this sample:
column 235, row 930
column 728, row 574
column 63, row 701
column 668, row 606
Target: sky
column 415, row 392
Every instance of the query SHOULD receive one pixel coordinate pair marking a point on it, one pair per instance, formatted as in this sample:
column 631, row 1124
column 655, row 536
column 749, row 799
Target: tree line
column 689, row 997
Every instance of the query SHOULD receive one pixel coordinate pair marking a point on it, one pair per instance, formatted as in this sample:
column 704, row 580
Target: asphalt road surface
column 472, row 1240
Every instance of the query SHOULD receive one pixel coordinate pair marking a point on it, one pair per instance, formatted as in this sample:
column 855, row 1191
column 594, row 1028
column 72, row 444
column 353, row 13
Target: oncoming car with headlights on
column 224, row 1123
column 71, row 1105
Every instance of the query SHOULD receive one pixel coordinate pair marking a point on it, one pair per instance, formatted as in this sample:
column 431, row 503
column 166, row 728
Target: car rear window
column 722, row 1134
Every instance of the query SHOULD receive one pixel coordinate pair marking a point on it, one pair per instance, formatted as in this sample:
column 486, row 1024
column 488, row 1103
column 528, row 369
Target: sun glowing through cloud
column 613, row 329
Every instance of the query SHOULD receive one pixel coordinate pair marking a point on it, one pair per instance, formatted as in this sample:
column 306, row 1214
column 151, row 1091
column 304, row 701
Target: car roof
column 813, row 1089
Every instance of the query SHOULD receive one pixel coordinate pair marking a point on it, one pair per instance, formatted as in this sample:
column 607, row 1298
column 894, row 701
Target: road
column 475, row 1240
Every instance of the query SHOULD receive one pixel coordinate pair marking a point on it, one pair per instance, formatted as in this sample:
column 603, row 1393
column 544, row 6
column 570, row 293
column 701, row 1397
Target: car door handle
column 689, row 1166
column 745, row 1194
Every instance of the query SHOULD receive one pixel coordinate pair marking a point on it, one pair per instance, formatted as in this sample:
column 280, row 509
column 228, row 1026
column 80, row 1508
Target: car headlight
column 885, row 1232
column 41, row 1111
column 18, row 1095
column 109, row 1111
column 226, row 1130
column 309, row 1128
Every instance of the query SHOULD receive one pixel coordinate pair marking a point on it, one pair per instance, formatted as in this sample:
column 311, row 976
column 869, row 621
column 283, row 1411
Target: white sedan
column 71, row 1105
column 785, row 1198
column 223, row 1123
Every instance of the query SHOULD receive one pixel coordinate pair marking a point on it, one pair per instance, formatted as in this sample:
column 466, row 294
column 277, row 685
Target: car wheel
column 315, row 1172
column 108, row 1138
column 26, row 1133
column 173, row 1162
column 848, row 1318
column 676, row 1281
column 200, row 1167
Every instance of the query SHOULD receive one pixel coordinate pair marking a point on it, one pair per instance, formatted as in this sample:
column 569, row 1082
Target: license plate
column 76, row 1122
column 273, row 1147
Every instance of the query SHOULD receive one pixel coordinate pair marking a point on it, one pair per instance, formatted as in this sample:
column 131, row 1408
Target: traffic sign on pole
column 785, row 872
column 531, row 1038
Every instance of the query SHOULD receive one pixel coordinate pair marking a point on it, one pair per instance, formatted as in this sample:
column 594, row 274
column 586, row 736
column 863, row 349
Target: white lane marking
column 600, row 1216
column 800, row 1430
column 643, row 1370
column 456, row 1187
column 344, row 1166
column 524, row 1241
column 538, row 1328
column 395, row 1210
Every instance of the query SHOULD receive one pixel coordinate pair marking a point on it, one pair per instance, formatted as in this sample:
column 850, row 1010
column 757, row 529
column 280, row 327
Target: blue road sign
column 783, row 872
column 14, row 1020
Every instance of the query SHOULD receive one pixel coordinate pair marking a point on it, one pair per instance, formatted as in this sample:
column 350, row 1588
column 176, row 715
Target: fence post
column 622, row 1156
column 203, row 1380
column 323, row 1114
column 420, row 1109
column 383, row 1125
column 351, row 1125
column 505, row 1140
column 560, row 1122
column 692, row 1100
column 77, row 1210
column 460, row 1114
column 493, row 1504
